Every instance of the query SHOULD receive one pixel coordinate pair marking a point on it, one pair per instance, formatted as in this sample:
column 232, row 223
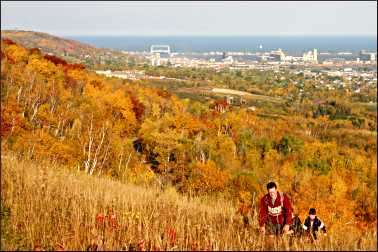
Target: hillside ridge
column 71, row 50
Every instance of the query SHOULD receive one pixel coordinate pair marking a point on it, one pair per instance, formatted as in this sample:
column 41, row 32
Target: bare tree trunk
column 104, row 159
column 120, row 161
column 95, row 158
column 53, row 99
column 35, row 107
column 31, row 152
column 203, row 157
column 19, row 94
column 57, row 129
column 90, row 139
column 128, row 160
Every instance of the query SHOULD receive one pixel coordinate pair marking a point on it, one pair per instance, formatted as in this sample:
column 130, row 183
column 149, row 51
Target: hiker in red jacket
column 275, row 215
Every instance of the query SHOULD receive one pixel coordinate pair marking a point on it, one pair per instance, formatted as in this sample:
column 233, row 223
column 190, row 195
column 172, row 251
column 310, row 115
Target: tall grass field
column 48, row 207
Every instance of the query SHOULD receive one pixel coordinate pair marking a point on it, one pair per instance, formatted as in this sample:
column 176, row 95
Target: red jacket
column 274, row 213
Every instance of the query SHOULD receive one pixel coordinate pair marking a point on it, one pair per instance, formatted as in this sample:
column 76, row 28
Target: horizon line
column 223, row 35
column 199, row 35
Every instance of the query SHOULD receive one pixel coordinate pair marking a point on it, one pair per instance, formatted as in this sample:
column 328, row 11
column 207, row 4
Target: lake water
column 289, row 44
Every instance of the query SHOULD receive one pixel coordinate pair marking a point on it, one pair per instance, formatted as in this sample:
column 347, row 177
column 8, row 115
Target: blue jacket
column 316, row 225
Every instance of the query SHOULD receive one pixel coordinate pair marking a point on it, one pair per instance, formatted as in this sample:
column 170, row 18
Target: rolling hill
column 71, row 50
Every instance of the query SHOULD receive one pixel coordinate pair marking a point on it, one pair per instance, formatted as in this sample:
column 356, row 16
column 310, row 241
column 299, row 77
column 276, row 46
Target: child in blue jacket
column 313, row 224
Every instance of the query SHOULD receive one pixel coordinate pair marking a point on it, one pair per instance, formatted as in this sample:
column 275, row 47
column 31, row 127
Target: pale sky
column 192, row 18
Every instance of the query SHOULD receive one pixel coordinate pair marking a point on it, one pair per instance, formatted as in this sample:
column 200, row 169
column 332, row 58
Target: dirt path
column 227, row 91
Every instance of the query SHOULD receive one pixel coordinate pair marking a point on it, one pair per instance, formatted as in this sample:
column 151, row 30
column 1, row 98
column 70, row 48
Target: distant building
column 367, row 56
column 277, row 55
column 228, row 59
column 107, row 73
column 311, row 56
column 315, row 55
column 155, row 59
column 160, row 54
column 160, row 49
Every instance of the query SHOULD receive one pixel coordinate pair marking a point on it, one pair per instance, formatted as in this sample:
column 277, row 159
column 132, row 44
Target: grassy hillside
column 46, row 205
column 71, row 50
column 109, row 127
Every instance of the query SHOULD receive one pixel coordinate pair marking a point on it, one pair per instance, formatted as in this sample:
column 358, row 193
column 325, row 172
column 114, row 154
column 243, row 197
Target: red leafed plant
column 141, row 245
column 171, row 233
column 113, row 220
column 100, row 217
column 110, row 218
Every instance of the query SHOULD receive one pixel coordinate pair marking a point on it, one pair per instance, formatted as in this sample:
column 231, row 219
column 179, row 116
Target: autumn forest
column 145, row 134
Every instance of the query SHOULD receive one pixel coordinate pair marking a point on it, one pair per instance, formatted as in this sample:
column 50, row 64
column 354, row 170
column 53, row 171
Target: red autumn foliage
column 5, row 128
column 67, row 66
column 69, row 82
column 163, row 93
column 220, row 105
column 8, row 41
column 55, row 60
column 138, row 107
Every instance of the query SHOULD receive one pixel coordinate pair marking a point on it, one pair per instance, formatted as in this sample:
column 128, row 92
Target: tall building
column 315, row 55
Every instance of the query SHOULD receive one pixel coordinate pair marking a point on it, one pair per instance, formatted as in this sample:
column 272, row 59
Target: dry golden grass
column 51, row 208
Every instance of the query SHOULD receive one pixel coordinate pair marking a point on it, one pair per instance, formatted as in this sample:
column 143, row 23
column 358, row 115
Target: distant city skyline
column 192, row 18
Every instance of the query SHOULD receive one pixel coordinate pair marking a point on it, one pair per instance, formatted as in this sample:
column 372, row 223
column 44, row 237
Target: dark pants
column 273, row 229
